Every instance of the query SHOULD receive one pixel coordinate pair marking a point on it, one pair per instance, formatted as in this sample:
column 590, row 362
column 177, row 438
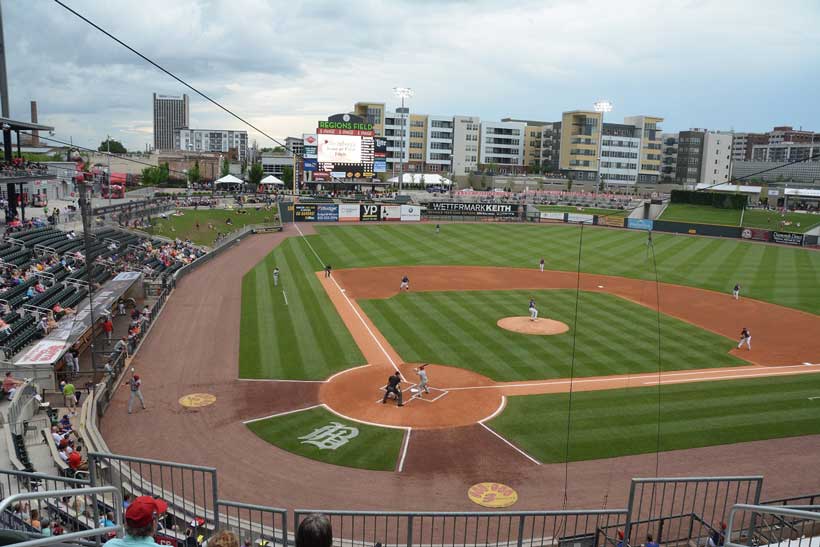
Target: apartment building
column 743, row 143
column 466, row 135
column 439, row 156
column 396, row 133
column 697, row 156
column 170, row 114
column 417, row 142
column 650, row 134
column 501, row 146
column 785, row 152
column 717, row 157
column 579, row 145
column 669, row 157
column 374, row 113
column 620, row 153
column 232, row 143
column 550, row 147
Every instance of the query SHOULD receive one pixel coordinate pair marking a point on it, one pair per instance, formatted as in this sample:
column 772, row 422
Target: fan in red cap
column 140, row 522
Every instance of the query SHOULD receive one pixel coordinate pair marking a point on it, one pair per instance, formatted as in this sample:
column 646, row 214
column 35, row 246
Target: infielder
column 745, row 337
column 394, row 388
column 422, row 378
column 541, row 264
column 533, row 310
column 276, row 277
column 736, row 291
column 405, row 283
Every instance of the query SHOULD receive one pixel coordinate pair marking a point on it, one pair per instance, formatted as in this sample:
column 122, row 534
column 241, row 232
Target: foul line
column 280, row 414
column 404, row 449
column 736, row 377
column 282, row 381
column 286, row 296
column 375, row 339
column 508, row 443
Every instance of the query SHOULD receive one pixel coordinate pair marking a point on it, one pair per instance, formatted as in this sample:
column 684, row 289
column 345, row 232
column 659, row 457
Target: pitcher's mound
column 523, row 325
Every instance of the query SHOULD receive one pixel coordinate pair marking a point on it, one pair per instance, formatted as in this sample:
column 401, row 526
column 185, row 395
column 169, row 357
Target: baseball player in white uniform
column 405, row 283
column 422, row 378
column 533, row 310
column 736, row 291
column 541, row 265
column 745, row 338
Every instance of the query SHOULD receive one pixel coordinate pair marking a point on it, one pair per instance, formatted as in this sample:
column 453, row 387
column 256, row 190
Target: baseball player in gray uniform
column 422, row 378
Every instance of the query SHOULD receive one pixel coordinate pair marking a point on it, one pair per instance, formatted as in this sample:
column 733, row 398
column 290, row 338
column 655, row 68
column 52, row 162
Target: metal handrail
column 93, row 491
column 766, row 510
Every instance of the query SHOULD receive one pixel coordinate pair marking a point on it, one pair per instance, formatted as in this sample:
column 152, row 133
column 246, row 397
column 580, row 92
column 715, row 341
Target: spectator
column 45, row 528
column 650, row 541
column 43, row 324
column 10, row 385
column 223, row 539
column 717, row 537
column 140, row 523
column 21, row 511
column 126, row 501
column 107, row 520
column 122, row 346
column 69, row 392
column 35, row 519
column 314, row 531
column 76, row 462
column 5, row 328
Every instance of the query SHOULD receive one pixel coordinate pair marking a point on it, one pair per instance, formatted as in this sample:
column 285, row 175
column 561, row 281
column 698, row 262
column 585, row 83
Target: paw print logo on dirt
column 492, row 494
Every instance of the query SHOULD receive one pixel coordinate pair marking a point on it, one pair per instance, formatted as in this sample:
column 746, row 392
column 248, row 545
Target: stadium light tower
column 602, row 106
column 402, row 93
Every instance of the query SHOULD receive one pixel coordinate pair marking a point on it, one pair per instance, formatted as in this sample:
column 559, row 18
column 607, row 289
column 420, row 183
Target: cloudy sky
column 724, row 64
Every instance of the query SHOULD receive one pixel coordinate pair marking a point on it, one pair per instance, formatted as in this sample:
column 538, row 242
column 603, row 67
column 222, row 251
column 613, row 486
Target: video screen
column 340, row 149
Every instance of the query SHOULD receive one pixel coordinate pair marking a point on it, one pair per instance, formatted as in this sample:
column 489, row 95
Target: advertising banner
column 580, row 218
column 757, row 235
column 311, row 145
column 379, row 165
column 311, row 165
column 612, row 221
column 340, row 149
column 639, row 223
column 327, row 212
column 552, row 216
column 321, row 175
column 787, row 238
column 304, row 212
column 348, row 212
column 472, row 209
column 410, row 213
column 369, row 212
column 391, row 212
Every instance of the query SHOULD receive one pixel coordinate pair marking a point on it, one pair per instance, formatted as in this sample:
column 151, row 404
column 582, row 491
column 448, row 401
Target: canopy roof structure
column 270, row 179
column 228, row 179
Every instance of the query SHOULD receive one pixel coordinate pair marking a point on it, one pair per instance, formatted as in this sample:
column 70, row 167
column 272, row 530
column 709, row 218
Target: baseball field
column 649, row 356
column 749, row 218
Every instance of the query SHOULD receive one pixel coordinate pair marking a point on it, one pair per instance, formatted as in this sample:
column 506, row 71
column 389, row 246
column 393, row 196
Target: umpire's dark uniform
column 393, row 387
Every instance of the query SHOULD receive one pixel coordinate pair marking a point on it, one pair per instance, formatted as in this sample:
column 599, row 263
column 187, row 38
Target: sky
column 743, row 65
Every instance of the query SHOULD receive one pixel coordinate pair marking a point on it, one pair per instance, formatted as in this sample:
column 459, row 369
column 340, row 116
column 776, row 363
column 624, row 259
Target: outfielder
column 405, row 283
column 276, row 277
column 422, row 378
column 541, row 264
column 745, row 338
column 533, row 310
column 736, row 291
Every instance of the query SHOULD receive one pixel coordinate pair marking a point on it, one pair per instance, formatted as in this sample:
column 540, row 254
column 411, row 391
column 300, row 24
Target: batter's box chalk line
column 417, row 395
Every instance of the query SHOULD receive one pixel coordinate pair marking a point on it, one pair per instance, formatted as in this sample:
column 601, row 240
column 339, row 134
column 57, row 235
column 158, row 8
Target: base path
column 193, row 347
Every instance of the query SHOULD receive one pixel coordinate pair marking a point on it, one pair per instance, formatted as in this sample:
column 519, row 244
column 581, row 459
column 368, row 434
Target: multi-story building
column 550, row 147
column 650, row 157
column 374, row 113
column 580, row 144
column 226, row 141
column 669, row 157
column 501, row 146
column 742, row 144
column 398, row 141
column 466, row 135
column 170, row 114
column 295, row 146
column 620, row 153
column 785, row 151
column 533, row 144
column 439, row 157
column 417, row 154
column 717, row 157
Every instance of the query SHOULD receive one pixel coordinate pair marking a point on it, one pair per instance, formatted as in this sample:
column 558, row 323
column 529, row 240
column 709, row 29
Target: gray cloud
column 721, row 63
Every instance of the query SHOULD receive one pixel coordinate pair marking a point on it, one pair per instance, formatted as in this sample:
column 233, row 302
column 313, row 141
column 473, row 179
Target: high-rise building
column 742, row 144
column 580, row 144
column 669, row 157
column 417, row 154
column 620, row 153
column 650, row 158
column 501, row 146
column 170, row 114
column 226, row 141
column 374, row 113
column 439, row 157
column 697, row 156
column 717, row 157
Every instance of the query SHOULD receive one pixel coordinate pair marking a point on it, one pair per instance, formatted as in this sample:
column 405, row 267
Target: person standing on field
column 422, row 378
column 541, row 264
column 276, row 277
column 135, row 384
column 745, row 338
column 736, row 291
column 533, row 310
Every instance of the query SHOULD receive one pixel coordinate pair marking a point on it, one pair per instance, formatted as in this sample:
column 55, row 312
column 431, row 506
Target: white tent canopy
column 270, row 179
column 419, row 178
column 228, row 179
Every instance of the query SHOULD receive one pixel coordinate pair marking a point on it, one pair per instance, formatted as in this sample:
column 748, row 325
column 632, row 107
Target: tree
column 278, row 149
column 256, row 173
column 194, row 174
column 569, row 184
column 116, row 147
column 472, row 179
column 154, row 176
column 226, row 167
column 287, row 175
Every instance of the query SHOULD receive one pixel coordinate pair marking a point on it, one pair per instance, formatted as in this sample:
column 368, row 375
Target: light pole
column 108, row 142
column 603, row 107
column 402, row 93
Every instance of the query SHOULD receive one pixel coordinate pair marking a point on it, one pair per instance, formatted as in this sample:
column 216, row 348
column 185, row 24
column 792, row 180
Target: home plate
column 600, row 286
column 414, row 390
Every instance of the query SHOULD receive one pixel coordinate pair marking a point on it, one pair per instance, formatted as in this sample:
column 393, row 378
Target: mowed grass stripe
column 614, row 336
column 303, row 340
column 624, row 422
column 375, row 448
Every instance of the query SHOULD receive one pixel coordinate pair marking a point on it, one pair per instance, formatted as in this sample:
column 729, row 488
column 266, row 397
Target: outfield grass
column 783, row 275
column 614, row 336
column 303, row 339
column 374, row 447
column 700, row 214
column 585, row 210
column 184, row 227
column 621, row 422
column 770, row 220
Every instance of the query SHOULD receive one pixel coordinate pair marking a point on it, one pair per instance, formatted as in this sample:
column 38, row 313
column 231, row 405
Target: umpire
column 393, row 387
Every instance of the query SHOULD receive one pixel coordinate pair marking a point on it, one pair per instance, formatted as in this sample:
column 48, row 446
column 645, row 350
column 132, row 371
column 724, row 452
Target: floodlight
column 402, row 92
column 602, row 106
